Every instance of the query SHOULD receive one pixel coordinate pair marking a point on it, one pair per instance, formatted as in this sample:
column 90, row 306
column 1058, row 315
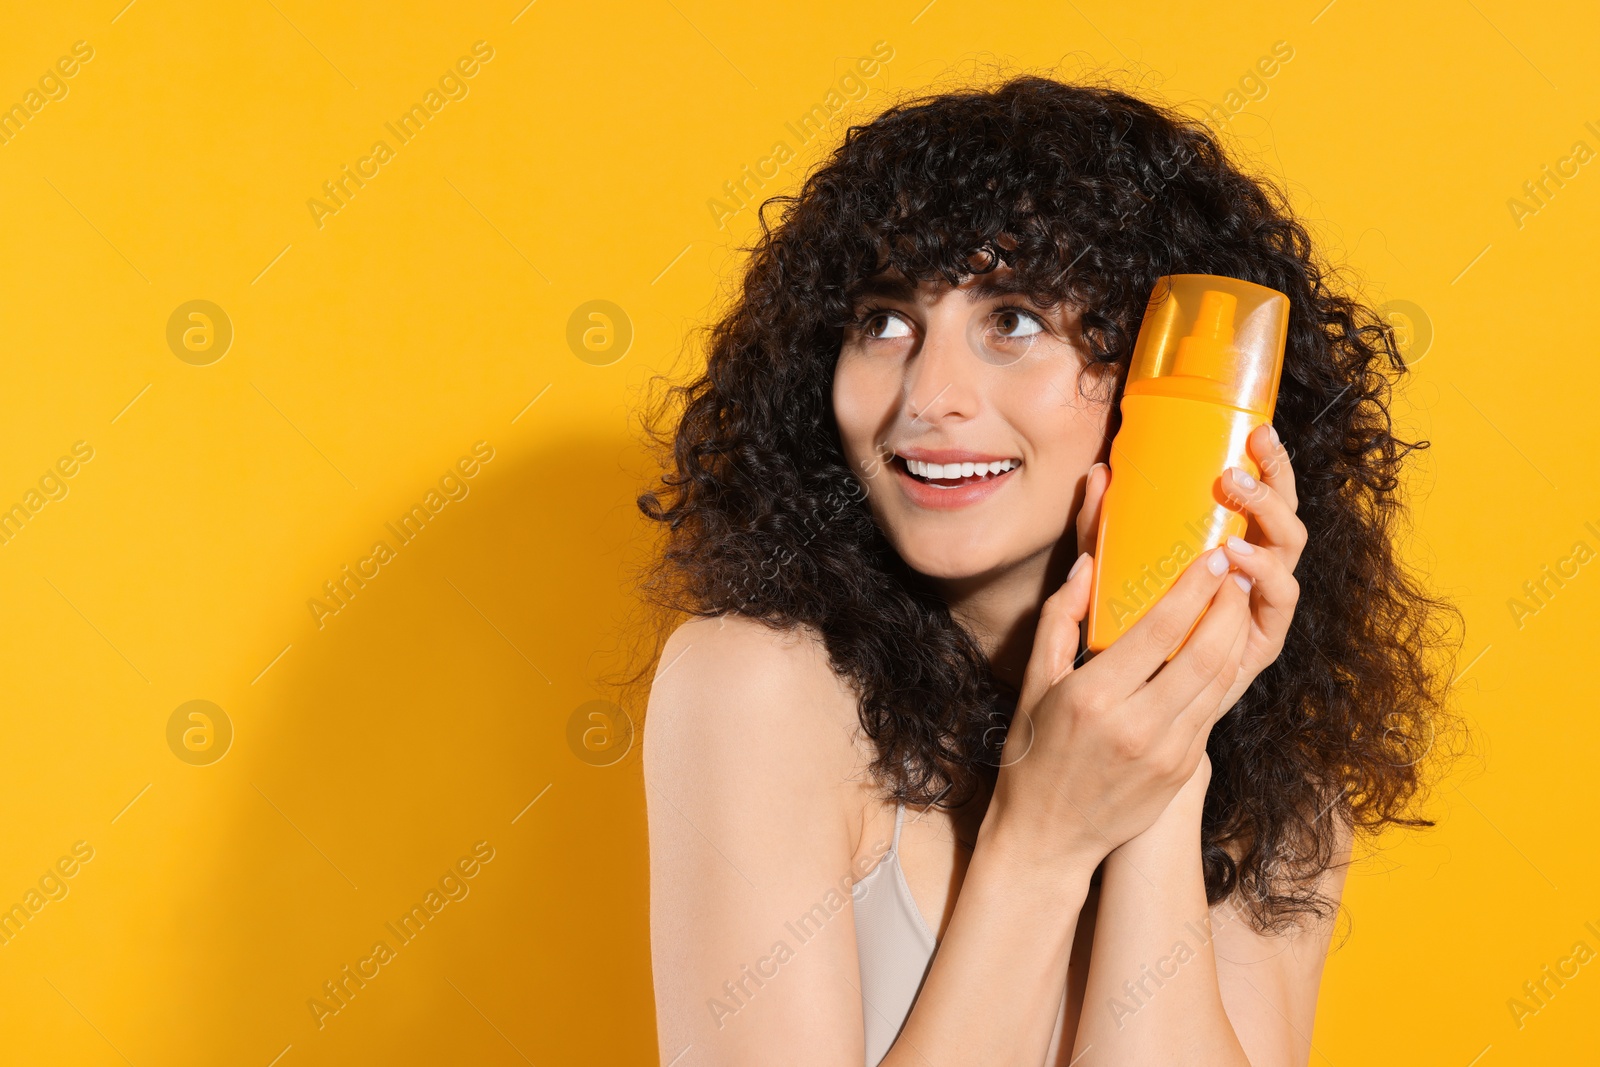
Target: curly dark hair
column 1090, row 194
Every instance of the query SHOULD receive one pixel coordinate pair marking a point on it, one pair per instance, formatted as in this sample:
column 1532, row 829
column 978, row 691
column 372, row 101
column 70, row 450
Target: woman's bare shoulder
column 754, row 704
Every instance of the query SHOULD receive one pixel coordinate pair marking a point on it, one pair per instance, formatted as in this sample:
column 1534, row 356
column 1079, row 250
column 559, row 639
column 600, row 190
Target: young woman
column 894, row 817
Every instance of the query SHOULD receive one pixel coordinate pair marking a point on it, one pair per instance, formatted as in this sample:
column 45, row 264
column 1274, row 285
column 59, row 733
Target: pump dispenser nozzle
column 1208, row 349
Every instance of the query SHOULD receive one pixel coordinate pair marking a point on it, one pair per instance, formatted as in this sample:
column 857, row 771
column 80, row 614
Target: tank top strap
column 899, row 820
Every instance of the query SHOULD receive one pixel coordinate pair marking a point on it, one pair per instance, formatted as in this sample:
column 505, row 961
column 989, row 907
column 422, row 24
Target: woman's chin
column 941, row 563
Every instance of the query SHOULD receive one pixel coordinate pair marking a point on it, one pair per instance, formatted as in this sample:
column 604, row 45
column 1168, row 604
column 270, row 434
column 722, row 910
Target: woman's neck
column 1001, row 608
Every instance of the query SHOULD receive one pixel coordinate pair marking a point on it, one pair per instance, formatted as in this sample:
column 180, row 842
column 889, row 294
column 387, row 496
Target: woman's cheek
column 862, row 402
column 846, row 404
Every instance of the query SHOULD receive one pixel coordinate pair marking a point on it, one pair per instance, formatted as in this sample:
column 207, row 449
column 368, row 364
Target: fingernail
column 1242, row 476
column 1078, row 566
column 1273, row 430
column 1240, row 545
column 1217, row 561
column 1244, row 583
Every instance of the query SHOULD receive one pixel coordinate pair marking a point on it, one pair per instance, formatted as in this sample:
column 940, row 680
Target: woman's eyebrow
column 989, row 285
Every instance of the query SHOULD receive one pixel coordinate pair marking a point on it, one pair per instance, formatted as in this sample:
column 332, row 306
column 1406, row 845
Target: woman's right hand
column 1095, row 753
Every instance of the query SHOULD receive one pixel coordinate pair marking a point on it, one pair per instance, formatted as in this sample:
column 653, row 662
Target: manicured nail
column 1217, row 561
column 1240, row 545
column 1078, row 566
column 1273, row 430
column 1242, row 476
column 1244, row 583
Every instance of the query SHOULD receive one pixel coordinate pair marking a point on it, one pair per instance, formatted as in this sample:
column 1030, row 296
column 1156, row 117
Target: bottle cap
column 1213, row 338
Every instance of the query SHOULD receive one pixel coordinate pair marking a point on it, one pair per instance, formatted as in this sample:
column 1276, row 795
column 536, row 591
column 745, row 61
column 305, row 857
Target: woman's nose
column 941, row 378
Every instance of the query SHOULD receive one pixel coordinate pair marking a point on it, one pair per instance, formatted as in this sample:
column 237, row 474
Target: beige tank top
column 893, row 945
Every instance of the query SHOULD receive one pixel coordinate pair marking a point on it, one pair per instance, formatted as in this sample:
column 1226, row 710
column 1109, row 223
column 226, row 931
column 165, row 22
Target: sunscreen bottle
column 1204, row 374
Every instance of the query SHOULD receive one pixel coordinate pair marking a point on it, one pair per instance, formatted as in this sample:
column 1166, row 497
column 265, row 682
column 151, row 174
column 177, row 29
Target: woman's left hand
column 1267, row 554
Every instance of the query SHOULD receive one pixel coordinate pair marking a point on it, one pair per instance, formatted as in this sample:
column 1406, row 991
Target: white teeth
column 959, row 470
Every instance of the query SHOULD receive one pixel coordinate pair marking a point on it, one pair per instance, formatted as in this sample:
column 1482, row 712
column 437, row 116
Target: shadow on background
column 431, row 714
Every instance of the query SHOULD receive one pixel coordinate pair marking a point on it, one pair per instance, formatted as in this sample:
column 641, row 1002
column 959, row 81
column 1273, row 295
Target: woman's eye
column 881, row 326
column 1024, row 323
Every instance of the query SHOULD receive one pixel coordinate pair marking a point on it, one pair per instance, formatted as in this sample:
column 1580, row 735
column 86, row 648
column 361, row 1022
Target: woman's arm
column 1174, row 981
column 993, row 993
column 1152, row 995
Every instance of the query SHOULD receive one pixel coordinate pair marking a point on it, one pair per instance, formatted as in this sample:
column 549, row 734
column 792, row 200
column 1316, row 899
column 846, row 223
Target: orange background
column 445, row 704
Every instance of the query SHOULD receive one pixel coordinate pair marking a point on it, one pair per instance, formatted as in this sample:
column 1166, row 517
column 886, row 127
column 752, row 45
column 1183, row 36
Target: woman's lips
column 945, row 498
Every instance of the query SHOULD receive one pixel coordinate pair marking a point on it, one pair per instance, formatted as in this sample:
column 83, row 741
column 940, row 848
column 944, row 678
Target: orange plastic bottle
column 1204, row 374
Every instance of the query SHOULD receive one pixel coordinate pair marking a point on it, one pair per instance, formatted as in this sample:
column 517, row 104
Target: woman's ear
column 1094, row 491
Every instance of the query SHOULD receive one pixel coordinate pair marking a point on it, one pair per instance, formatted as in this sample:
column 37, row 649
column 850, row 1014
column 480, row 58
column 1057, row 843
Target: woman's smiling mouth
column 951, row 478
column 951, row 474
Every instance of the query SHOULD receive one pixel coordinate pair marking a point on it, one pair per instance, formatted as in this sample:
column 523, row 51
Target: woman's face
column 955, row 378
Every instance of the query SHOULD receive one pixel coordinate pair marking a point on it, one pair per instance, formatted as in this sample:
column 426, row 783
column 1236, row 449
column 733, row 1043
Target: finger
column 1207, row 663
column 1055, row 641
column 1133, row 657
column 1195, row 723
column 1272, row 459
column 1208, row 701
column 1273, row 513
column 1207, row 708
column 1276, row 592
column 1094, row 491
column 1192, row 728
